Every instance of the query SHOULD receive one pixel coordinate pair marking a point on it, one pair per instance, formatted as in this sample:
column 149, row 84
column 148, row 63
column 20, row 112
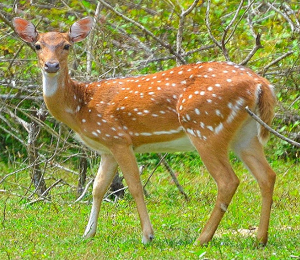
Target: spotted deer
column 191, row 107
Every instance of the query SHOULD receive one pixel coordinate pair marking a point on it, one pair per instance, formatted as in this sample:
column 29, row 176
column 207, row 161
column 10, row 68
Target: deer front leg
column 127, row 162
column 105, row 175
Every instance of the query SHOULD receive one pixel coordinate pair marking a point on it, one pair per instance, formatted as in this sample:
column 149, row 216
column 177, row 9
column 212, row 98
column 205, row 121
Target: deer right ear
column 26, row 30
column 81, row 29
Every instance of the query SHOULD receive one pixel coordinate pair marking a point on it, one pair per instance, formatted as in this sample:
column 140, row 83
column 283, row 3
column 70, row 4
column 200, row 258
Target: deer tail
column 265, row 109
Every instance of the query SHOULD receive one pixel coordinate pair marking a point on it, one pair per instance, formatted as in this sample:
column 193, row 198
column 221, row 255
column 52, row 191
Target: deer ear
column 26, row 30
column 81, row 29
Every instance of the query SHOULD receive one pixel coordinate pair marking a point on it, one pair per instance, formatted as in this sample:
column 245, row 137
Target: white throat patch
column 50, row 83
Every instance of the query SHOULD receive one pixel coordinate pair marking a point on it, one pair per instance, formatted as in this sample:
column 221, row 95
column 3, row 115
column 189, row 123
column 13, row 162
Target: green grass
column 53, row 230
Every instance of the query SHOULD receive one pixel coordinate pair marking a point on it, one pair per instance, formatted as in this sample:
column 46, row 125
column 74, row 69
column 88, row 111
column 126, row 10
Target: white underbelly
column 96, row 146
column 182, row 144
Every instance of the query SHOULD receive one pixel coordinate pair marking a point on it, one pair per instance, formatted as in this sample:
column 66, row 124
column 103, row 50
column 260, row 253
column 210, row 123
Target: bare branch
column 286, row 17
column 166, row 45
column 169, row 169
column 242, row 16
column 257, row 46
column 9, row 24
column 275, row 61
column 90, row 40
column 85, row 190
column 181, row 28
column 256, row 118
column 21, row 97
column 161, row 159
column 207, row 22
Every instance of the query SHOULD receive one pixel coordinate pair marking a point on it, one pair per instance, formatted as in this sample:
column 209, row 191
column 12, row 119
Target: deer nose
column 51, row 67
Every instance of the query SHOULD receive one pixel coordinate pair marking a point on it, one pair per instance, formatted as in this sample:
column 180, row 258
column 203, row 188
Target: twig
column 182, row 17
column 257, row 46
column 207, row 22
column 166, row 45
column 169, row 169
column 133, row 38
column 43, row 195
column 114, row 192
column 277, row 60
column 256, row 118
column 161, row 159
column 64, row 168
column 51, row 187
column 90, row 40
column 294, row 102
column 241, row 18
column 4, row 212
column 13, row 135
column 224, row 40
column 14, row 172
column 285, row 17
column 12, row 193
column 21, row 97
column 203, row 48
column 8, row 23
column 14, row 57
column 84, row 191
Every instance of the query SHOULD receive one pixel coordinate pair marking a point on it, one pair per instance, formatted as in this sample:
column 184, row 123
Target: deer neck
column 59, row 91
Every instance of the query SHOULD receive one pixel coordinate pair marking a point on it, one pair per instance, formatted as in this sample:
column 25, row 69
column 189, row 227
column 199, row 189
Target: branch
column 21, row 97
column 181, row 28
column 256, row 118
column 145, row 62
column 207, row 22
column 241, row 18
column 275, row 61
column 90, row 40
column 161, row 159
column 166, row 45
column 85, row 190
column 9, row 24
column 285, row 17
column 224, row 40
column 257, row 46
column 169, row 169
column 132, row 38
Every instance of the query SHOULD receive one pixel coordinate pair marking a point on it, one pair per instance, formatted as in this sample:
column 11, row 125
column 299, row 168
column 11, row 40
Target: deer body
column 191, row 107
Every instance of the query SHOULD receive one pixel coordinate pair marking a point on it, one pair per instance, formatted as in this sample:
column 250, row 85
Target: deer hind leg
column 105, row 175
column 250, row 151
column 217, row 163
column 127, row 162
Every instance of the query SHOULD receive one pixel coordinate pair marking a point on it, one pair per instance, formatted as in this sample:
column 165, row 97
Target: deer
column 198, row 106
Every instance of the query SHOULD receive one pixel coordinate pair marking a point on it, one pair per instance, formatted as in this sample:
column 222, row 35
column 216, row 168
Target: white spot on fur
column 197, row 111
column 219, row 128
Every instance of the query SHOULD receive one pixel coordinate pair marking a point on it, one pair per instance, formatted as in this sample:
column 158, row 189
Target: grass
column 53, row 230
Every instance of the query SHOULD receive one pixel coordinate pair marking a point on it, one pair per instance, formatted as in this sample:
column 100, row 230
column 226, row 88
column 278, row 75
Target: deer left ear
column 81, row 29
column 26, row 30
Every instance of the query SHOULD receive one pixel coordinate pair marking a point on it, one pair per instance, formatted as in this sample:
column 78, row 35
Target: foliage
column 121, row 45
column 55, row 232
column 119, row 48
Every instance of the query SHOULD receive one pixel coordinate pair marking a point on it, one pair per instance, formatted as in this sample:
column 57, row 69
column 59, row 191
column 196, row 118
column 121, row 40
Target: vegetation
column 53, row 230
column 132, row 38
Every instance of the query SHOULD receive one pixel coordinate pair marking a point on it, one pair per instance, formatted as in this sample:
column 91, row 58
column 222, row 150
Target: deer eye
column 67, row 47
column 38, row 47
